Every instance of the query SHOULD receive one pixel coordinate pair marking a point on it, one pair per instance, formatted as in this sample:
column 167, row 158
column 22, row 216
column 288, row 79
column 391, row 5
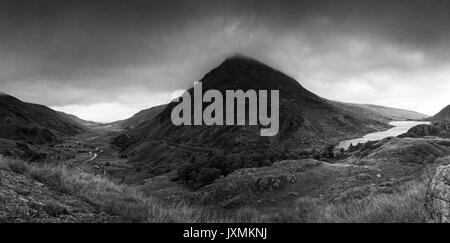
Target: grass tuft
column 120, row 199
column 404, row 206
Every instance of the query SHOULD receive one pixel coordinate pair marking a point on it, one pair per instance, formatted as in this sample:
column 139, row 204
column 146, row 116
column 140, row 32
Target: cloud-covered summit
column 105, row 60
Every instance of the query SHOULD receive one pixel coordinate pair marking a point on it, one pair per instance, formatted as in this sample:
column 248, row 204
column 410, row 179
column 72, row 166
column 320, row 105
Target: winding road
column 93, row 157
column 89, row 139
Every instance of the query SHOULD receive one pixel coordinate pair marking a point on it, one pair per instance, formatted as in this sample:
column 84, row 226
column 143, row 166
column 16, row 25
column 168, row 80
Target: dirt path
column 89, row 139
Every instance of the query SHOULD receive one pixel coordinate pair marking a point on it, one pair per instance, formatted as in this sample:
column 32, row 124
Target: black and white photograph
column 220, row 112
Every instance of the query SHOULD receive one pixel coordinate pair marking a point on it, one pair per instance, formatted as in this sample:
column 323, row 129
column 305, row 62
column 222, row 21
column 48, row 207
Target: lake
column 399, row 128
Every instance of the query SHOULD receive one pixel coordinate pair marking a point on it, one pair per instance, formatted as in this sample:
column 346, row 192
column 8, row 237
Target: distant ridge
column 443, row 115
column 381, row 113
column 140, row 117
column 79, row 120
column 31, row 122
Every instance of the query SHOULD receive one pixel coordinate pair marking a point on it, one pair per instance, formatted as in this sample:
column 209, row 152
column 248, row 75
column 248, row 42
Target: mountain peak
column 237, row 57
column 6, row 98
column 239, row 60
column 243, row 72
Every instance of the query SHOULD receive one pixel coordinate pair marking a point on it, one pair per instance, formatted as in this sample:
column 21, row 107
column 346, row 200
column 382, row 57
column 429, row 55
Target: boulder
column 438, row 196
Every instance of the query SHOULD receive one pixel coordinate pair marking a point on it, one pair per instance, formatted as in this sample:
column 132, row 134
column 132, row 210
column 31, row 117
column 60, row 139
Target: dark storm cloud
column 66, row 35
column 90, row 52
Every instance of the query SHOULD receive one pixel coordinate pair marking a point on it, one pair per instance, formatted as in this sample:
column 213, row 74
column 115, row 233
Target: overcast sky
column 106, row 60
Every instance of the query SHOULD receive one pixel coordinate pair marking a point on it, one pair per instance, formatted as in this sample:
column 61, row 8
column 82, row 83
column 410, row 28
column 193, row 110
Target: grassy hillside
column 438, row 129
column 443, row 115
column 380, row 181
column 124, row 203
column 144, row 116
column 78, row 120
column 31, row 122
column 380, row 113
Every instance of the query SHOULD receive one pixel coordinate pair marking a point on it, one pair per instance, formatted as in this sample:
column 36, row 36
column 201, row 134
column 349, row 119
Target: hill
column 443, row 115
column 31, row 122
column 306, row 121
column 79, row 120
column 380, row 113
column 436, row 129
column 140, row 117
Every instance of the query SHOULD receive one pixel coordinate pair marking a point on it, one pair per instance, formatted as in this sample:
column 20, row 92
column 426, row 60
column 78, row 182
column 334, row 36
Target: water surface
column 399, row 128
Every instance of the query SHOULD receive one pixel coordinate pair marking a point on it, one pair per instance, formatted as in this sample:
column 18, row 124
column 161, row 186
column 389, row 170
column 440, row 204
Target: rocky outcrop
column 437, row 129
column 438, row 196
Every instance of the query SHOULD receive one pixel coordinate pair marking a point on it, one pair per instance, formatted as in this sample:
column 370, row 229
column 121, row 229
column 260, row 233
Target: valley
column 213, row 111
column 94, row 153
column 231, row 172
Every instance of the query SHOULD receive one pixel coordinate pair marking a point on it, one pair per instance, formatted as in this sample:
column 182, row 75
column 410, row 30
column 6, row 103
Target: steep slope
column 443, row 115
column 25, row 200
column 32, row 122
column 380, row 113
column 300, row 110
column 140, row 117
column 306, row 121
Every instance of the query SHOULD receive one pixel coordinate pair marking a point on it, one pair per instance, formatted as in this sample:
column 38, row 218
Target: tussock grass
column 404, row 206
column 121, row 199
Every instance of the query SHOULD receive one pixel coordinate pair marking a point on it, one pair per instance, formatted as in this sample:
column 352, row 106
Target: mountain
column 140, row 117
column 31, row 122
column 79, row 120
column 443, row 115
column 380, row 113
column 306, row 121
